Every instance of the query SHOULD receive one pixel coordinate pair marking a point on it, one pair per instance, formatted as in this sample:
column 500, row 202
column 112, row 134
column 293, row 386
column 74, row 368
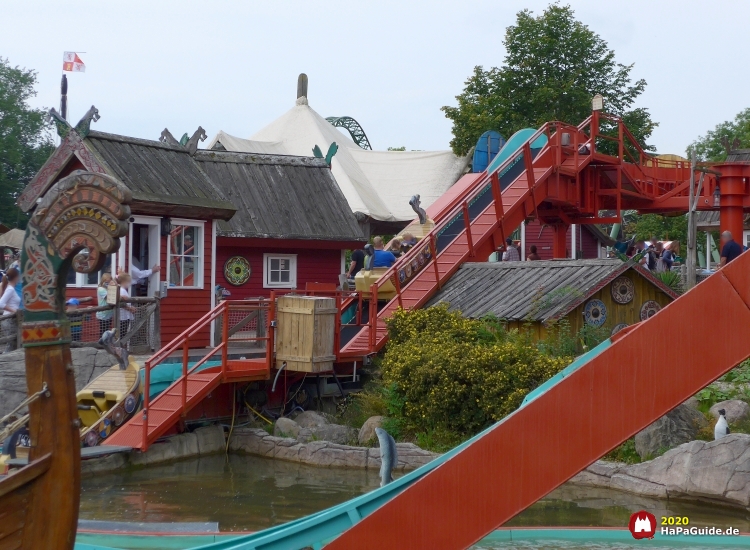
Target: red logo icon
column 642, row 525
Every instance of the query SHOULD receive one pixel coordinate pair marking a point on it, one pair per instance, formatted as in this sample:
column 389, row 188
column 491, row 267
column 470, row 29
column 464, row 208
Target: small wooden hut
column 600, row 292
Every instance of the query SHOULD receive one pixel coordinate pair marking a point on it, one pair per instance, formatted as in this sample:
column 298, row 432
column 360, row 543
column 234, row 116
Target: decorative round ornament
column 421, row 260
column 407, row 269
column 622, row 290
column 106, row 428
column 118, row 415
column 414, row 266
column 401, row 276
column 595, row 313
column 648, row 309
column 426, row 252
column 237, row 270
column 130, row 403
column 92, row 438
column 618, row 328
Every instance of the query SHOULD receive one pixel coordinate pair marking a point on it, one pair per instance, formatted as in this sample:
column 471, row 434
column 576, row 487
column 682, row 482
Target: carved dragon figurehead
column 84, row 125
column 78, row 222
column 415, row 205
column 192, row 143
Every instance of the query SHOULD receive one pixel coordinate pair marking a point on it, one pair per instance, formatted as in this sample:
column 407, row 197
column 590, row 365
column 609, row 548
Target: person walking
column 9, row 304
column 730, row 249
column 127, row 311
column 104, row 317
column 511, row 253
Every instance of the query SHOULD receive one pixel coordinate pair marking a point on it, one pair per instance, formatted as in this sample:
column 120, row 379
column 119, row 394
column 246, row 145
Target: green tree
column 716, row 144
column 25, row 139
column 554, row 65
column 655, row 226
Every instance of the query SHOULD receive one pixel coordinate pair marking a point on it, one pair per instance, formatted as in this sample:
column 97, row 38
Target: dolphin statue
column 388, row 456
column 107, row 341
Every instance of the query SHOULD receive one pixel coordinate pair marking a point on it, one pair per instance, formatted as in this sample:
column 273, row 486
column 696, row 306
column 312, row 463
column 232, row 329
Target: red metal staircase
column 161, row 414
column 567, row 181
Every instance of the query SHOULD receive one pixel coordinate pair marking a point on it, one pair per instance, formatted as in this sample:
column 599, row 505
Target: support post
column 560, row 243
column 573, row 242
column 691, row 248
column 523, row 241
column 732, row 183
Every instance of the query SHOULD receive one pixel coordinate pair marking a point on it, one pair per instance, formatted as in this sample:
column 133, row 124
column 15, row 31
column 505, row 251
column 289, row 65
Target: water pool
column 244, row 493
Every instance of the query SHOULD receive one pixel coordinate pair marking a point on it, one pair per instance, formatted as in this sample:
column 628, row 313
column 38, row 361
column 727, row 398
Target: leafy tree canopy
column 554, row 65
column 661, row 228
column 25, row 140
column 716, row 144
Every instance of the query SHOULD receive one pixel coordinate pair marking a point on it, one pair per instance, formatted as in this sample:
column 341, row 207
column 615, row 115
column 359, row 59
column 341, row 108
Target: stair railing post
column 397, row 284
column 467, row 226
column 433, row 253
column 146, row 402
column 185, row 357
column 224, row 338
column 270, row 330
column 497, row 195
column 337, row 334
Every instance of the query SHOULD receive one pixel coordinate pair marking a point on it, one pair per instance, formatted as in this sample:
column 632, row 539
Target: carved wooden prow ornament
column 83, row 212
column 332, row 149
column 192, row 144
column 729, row 147
column 82, row 128
column 415, row 203
column 168, row 138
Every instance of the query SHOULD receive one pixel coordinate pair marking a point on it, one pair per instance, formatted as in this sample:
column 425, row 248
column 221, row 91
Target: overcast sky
column 233, row 66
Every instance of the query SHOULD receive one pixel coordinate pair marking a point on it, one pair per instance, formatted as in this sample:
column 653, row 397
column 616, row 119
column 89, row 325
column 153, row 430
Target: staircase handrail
column 477, row 188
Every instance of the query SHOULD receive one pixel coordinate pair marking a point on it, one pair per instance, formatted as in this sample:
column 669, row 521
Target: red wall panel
column 313, row 266
column 542, row 237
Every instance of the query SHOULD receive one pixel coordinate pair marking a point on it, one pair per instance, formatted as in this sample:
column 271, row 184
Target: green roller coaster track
column 355, row 130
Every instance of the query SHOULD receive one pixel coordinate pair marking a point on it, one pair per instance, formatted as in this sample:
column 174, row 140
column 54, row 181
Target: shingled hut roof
column 161, row 176
column 532, row 291
column 280, row 196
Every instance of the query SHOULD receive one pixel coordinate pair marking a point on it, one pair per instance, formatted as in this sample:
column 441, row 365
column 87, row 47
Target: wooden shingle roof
column 280, row 196
column 532, row 291
column 162, row 177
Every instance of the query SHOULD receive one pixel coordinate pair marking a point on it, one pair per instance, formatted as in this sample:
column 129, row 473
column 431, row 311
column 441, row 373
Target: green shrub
column 445, row 376
column 624, row 453
column 672, row 279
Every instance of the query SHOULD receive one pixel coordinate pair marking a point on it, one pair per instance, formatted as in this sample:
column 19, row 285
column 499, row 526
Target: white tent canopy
column 376, row 183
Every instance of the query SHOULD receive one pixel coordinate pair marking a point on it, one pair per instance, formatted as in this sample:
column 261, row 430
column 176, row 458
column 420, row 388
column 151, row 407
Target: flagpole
column 64, row 97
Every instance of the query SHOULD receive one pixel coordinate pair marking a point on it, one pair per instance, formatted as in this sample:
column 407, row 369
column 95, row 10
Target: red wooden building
column 292, row 226
column 290, row 221
column 590, row 241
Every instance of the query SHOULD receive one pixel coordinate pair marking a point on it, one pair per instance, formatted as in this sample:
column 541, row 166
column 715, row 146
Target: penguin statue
column 722, row 428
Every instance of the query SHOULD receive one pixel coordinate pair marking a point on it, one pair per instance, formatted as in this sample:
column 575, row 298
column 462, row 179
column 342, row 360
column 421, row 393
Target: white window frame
column 201, row 243
column 292, row 270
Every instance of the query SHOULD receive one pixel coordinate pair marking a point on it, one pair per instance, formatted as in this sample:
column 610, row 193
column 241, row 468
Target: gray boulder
column 286, row 427
column 707, row 471
column 367, row 431
column 678, row 426
column 343, row 435
column 736, row 410
column 311, row 419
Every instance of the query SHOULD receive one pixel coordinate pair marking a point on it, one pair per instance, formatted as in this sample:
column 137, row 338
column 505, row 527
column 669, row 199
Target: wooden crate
column 305, row 333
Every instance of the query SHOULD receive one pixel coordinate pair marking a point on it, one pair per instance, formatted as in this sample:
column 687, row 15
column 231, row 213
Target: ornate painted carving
column 72, row 144
column 82, row 212
column 84, row 125
column 63, row 126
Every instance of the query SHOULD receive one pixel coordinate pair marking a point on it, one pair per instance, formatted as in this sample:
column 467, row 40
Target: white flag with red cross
column 72, row 63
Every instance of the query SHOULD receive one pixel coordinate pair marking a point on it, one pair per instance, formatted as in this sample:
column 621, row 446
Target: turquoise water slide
column 316, row 529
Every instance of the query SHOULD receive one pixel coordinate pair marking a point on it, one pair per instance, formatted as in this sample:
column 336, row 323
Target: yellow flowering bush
column 449, row 376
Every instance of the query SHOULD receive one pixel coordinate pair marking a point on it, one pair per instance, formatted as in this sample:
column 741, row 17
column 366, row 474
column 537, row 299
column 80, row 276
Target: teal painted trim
column 91, row 541
column 513, row 145
column 567, row 371
column 582, row 535
column 164, row 375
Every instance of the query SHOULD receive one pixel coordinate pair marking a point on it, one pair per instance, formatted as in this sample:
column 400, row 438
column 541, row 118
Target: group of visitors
column 512, row 253
column 380, row 257
column 654, row 257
